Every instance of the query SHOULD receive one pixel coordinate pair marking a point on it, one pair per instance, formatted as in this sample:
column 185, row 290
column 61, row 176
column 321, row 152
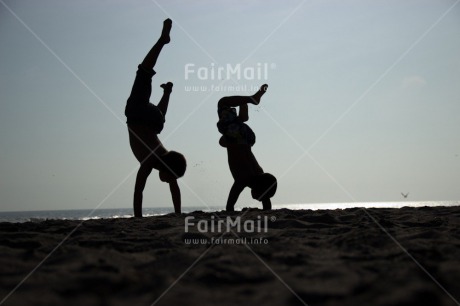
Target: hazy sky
column 363, row 100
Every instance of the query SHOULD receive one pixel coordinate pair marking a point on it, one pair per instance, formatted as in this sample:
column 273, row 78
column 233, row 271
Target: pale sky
column 363, row 99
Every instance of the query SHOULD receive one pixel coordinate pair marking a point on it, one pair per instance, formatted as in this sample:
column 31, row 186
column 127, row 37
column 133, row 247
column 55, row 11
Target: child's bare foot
column 167, row 87
column 167, row 24
column 256, row 97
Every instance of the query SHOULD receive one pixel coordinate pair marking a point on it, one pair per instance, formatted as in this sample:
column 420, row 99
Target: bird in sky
column 405, row 195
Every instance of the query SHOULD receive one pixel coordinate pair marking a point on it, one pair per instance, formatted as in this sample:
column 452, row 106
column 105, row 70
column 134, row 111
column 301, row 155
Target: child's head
column 174, row 168
column 263, row 187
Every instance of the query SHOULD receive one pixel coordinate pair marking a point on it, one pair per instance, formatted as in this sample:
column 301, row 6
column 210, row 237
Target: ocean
column 108, row 213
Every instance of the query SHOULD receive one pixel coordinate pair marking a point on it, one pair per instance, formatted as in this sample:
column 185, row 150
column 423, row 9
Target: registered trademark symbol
column 273, row 218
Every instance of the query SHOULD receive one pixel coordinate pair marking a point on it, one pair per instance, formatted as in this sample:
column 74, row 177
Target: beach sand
column 407, row 256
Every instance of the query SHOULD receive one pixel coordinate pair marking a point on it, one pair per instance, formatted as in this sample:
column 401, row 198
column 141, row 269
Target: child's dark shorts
column 139, row 111
column 233, row 129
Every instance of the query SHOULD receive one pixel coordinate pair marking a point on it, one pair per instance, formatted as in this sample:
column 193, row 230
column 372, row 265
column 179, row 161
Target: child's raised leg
column 151, row 57
column 164, row 101
column 236, row 101
column 142, row 87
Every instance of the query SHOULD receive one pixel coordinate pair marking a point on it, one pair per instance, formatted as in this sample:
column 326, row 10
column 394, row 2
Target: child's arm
column 235, row 192
column 267, row 204
column 175, row 194
column 141, row 179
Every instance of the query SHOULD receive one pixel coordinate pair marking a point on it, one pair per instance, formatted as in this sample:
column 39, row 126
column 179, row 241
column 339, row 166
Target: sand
column 324, row 257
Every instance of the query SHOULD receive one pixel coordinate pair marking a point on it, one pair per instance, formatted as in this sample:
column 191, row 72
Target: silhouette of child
column 145, row 121
column 238, row 138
